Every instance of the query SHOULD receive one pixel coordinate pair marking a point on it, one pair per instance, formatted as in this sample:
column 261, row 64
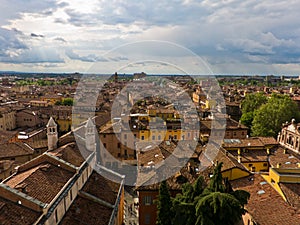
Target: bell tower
column 90, row 138
column 52, row 134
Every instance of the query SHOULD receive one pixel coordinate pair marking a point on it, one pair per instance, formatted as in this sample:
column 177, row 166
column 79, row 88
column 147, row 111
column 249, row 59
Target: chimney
column 239, row 159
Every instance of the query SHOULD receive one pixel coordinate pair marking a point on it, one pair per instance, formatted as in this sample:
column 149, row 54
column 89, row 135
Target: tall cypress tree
column 164, row 205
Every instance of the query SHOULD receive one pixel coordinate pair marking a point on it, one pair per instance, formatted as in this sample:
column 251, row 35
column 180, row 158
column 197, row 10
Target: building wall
column 290, row 138
column 257, row 166
column 27, row 119
column 147, row 212
column 63, row 206
column 235, row 173
column 7, row 120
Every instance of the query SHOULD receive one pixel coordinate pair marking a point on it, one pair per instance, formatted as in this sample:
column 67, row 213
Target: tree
column 253, row 101
column 67, row 101
column 164, row 212
column 184, row 204
column 216, row 206
column 269, row 117
column 249, row 105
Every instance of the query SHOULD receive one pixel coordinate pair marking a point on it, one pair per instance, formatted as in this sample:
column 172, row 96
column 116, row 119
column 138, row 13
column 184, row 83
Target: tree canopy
column 65, row 102
column 269, row 117
column 251, row 103
column 199, row 204
column 264, row 116
column 164, row 213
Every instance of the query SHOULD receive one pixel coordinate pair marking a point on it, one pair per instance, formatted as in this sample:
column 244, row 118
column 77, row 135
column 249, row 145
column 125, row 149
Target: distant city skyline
column 231, row 37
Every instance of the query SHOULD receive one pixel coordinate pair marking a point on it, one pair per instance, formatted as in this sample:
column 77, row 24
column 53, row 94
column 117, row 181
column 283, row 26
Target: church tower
column 90, row 135
column 52, row 134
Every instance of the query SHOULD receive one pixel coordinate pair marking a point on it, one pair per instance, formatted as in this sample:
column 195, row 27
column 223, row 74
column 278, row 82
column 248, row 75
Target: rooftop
column 265, row 205
column 42, row 181
column 13, row 213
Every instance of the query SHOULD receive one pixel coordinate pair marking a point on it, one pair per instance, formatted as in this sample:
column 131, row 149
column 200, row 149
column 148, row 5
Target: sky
column 159, row 36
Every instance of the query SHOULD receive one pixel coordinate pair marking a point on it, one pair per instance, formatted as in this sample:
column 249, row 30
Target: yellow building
column 251, row 152
column 279, row 176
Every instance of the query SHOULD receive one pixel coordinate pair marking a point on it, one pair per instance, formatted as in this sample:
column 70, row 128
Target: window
column 104, row 144
column 142, row 138
column 147, row 200
column 265, row 164
column 56, row 217
column 272, row 181
column 147, row 218
column 175, row 137
column 158, row 137
column 119, row 145
column 125, row 136
column 250, row 165
column 234, row 133
column 153, row 138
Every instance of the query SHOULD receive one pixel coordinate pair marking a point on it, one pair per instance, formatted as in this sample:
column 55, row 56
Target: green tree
column 219, row 204
column 249, row 105
column 184, row 204
column 164, row 205
column 269, row 117
column 67, row 102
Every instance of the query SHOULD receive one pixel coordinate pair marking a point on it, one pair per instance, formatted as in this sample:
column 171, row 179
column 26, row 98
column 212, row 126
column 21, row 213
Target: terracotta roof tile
column 69, row 153
column 285, row 158
column 84, row 211
column 14, row 150
column 265, row 205
column 102, row 188
column 292, row 193
column 41, row 182
column 12, row 213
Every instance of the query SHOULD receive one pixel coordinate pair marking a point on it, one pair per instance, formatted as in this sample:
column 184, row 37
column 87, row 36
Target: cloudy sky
column 228, row 36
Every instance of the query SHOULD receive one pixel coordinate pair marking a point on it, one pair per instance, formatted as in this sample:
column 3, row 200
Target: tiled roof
column 84, row 211
column 265, row 205
column 229, row 161
column 285, row 158
column 174, row 182
column 6, row 136
column 205, row 124
column 14, row 214
column 292, row 193
column 102, row 188
column 268, row 140
column 249, row 142
column 69, row 153
column 14, row 150
column 42, row 182
column 252, row 155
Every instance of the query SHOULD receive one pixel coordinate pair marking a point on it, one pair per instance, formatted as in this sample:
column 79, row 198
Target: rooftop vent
column 263, row 183
column 260, row 192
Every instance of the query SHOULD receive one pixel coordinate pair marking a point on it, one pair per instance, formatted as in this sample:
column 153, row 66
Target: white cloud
column 229, row 32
